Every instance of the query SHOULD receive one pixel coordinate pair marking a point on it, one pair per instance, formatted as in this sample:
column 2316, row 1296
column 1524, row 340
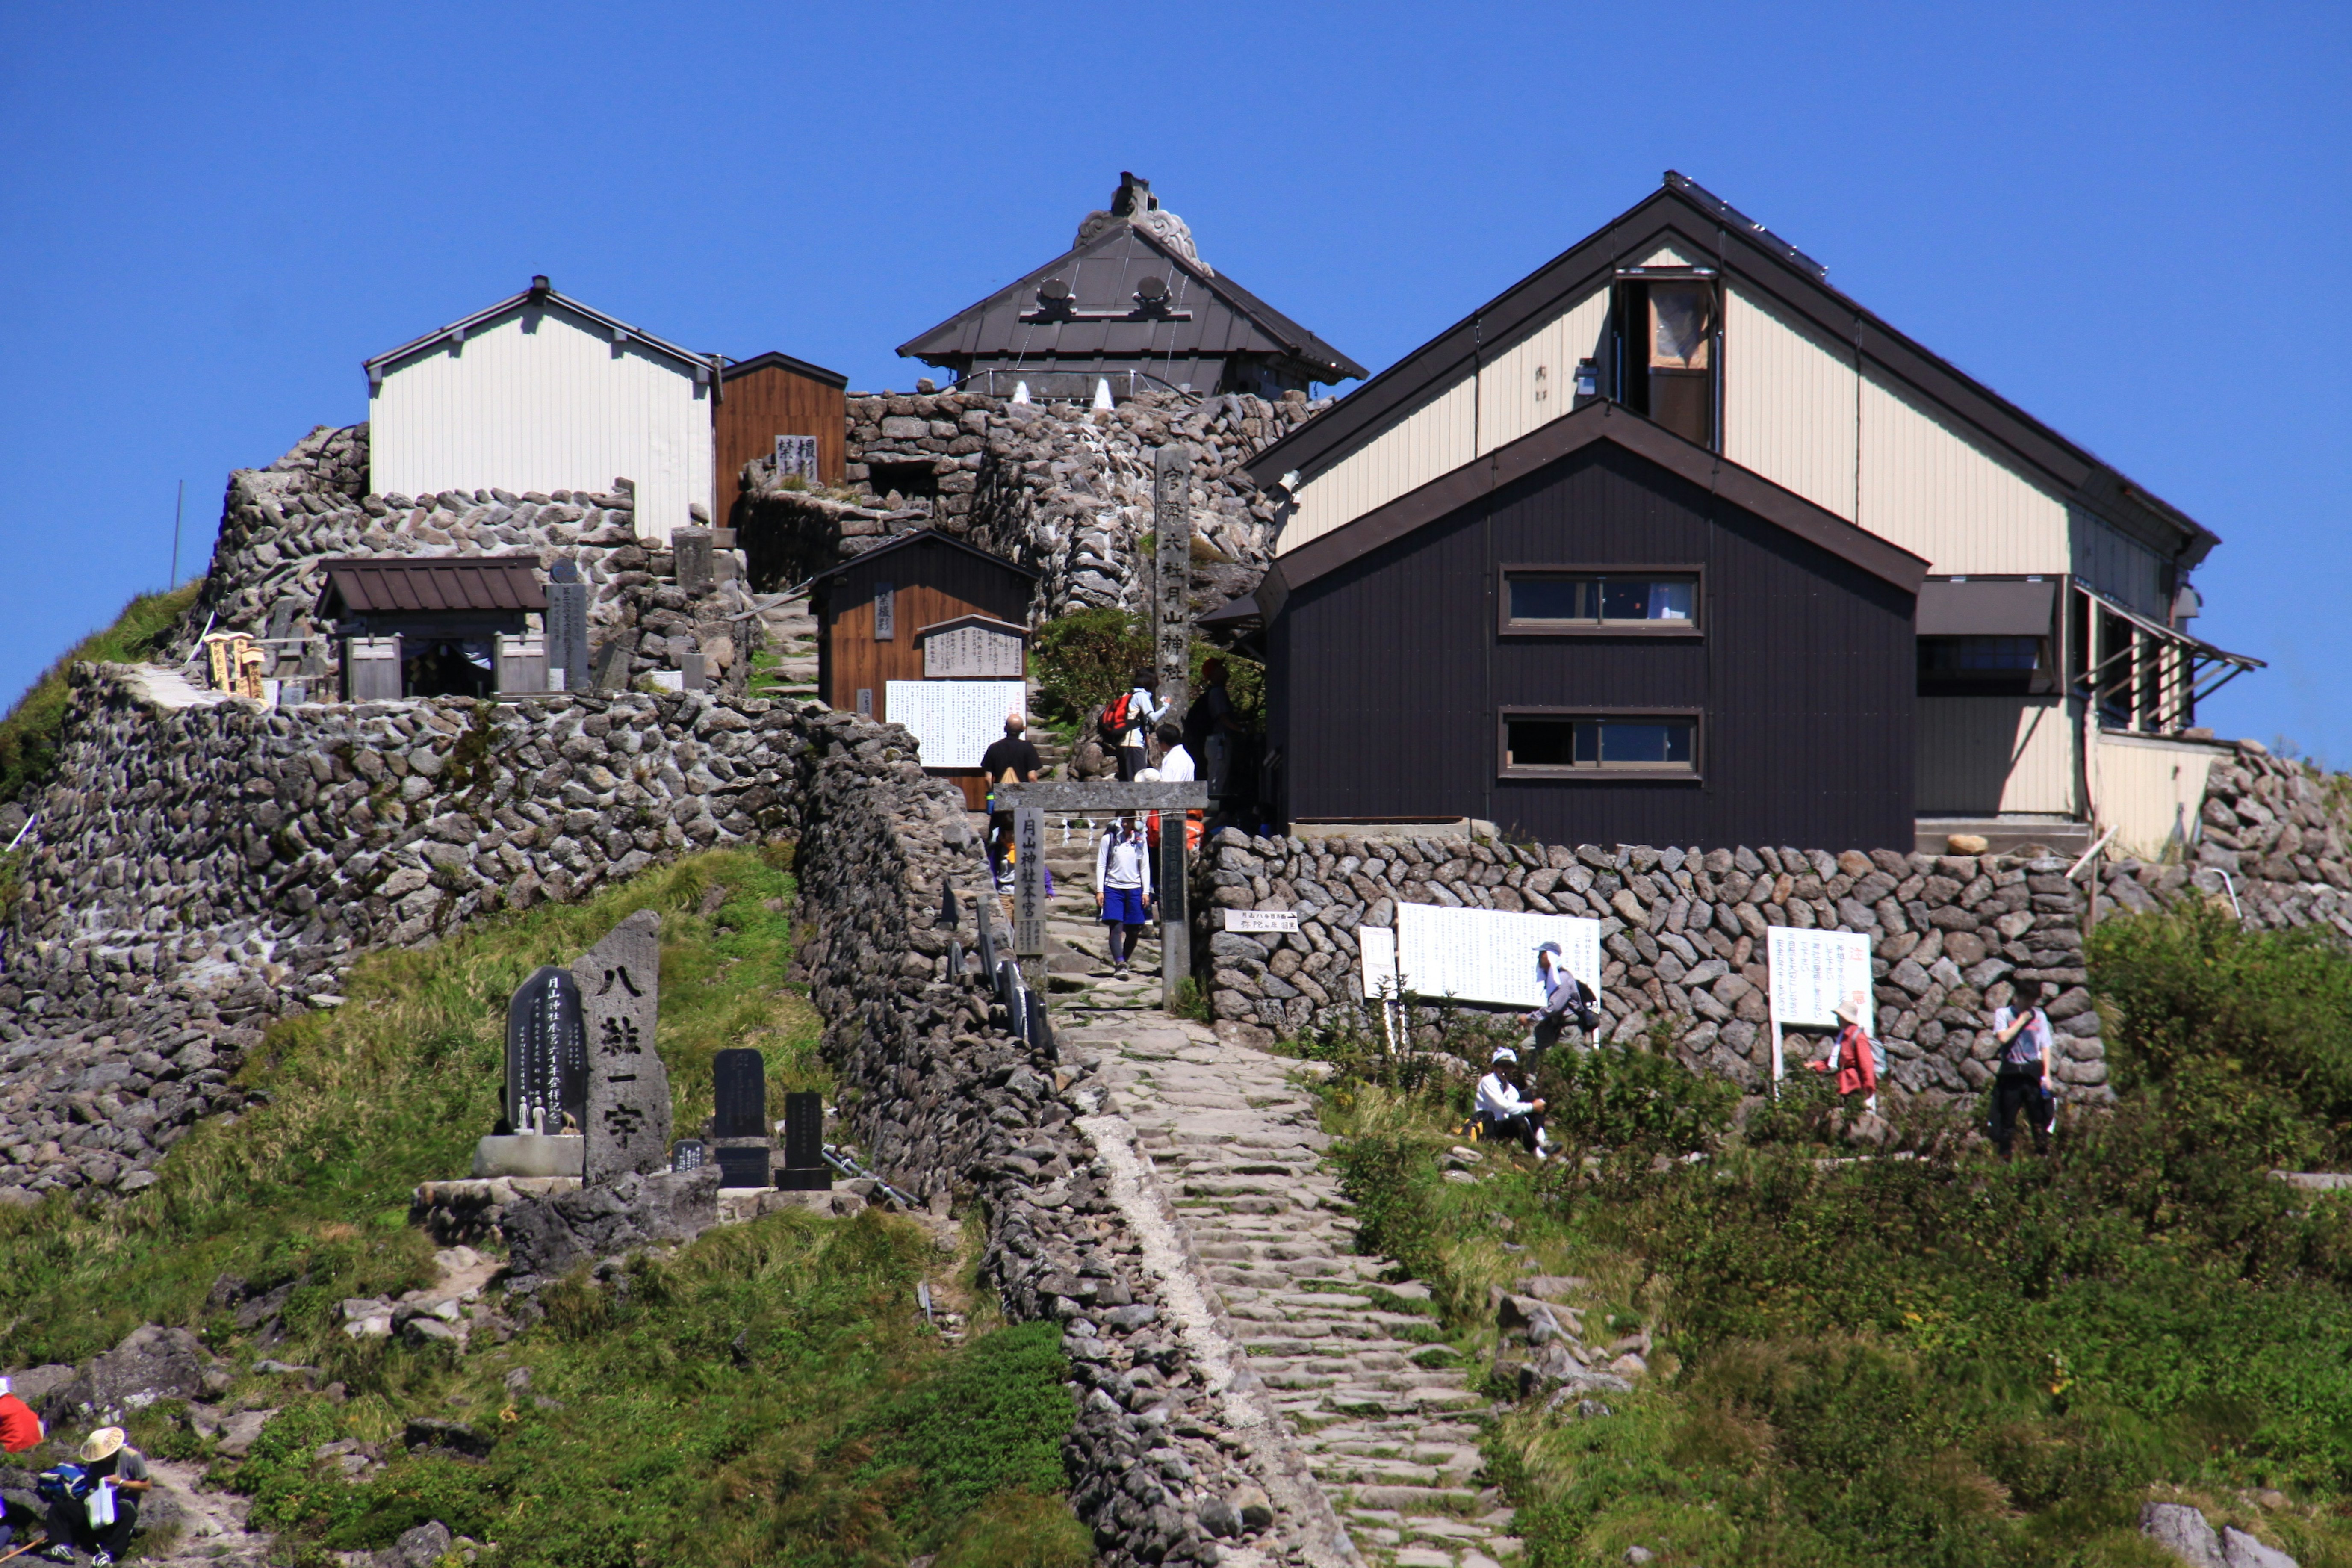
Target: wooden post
column 1171, row 597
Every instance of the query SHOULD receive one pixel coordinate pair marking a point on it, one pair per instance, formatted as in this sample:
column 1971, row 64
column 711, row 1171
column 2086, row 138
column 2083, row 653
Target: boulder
column 420, row 1548
column 149, row 1365
column 2183, row 1530
column 2240, row 1549
column 549, row 1236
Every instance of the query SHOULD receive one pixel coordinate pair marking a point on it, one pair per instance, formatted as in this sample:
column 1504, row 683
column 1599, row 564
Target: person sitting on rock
column 1503, row 1111
column 101, row 1520
column 19, row 1429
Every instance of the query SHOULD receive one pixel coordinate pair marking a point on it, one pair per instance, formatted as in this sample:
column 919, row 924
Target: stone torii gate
column 1029, row 803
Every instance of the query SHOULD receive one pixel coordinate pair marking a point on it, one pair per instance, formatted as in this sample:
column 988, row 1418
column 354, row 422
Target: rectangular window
column 1540, row 743
column 1981, row 666
column 1537, row 601
column 1667, row 322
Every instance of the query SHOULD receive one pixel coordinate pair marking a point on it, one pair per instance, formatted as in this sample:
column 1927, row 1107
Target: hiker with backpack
column 2020, row 1085
column 94, row 1505
column 1123, row 886
column 1128, row 718
column 1566, row 998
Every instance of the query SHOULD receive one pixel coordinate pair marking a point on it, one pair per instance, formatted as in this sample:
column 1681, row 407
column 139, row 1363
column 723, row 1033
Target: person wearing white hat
column 101, row 1520
column 1505, row 1112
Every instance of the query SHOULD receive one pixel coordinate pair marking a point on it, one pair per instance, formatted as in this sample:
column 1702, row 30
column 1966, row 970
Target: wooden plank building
column 772, row 395
column 1601, row 637
column 868, row 611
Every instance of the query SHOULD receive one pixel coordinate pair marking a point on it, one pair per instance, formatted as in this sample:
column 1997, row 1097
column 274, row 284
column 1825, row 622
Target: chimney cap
column 539, row 285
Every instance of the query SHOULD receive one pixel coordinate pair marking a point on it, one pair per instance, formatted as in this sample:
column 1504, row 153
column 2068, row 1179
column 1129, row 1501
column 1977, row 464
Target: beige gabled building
column 2058, row 678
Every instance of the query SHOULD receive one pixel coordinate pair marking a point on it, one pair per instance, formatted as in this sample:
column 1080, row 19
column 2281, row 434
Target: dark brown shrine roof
column 430, row 583
column 1202, row 313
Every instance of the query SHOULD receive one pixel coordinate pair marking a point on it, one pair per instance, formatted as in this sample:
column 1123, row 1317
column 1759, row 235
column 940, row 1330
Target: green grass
column 28, row 735
column 1939, row 1359
column 767, row 1394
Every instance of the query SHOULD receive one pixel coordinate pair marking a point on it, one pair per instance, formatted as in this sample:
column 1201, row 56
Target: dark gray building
column 1131, row 303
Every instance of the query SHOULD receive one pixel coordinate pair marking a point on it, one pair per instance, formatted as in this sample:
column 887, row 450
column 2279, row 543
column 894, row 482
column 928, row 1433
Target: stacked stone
column 1054, row 486
column 948, row 1101
column 2270, row 830
column 1684, row 934
column 205, row 869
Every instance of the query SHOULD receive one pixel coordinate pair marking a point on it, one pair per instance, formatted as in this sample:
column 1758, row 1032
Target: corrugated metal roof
column 430, row 584
column 538, row 298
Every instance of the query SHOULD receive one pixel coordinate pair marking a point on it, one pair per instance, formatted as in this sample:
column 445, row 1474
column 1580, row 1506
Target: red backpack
column 1115, row 720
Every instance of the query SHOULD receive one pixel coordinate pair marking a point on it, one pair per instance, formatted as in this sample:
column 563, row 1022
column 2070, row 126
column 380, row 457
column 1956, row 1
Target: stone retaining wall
column 207, row 868
column 1683, row 933
column 277, row 524
column 1054, row 486
column 2275, row 832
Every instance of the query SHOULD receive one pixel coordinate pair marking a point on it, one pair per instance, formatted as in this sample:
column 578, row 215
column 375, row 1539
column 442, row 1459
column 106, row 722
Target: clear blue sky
column 2134, row 221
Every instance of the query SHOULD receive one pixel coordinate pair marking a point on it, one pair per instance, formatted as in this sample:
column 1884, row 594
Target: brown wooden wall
column 759, row 405
column 1389, row 677
column 934, row 582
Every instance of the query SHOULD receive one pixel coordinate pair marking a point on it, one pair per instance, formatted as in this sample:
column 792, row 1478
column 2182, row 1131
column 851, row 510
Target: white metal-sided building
column 542, row 393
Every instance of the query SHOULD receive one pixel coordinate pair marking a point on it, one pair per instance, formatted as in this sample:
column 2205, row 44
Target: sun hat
column 1549, row 947
column 102, row 1445
column 1505, row 1054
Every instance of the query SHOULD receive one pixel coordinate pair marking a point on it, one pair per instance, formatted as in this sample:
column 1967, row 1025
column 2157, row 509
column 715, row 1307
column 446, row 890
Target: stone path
column 1386, row 1422
column 789, row 633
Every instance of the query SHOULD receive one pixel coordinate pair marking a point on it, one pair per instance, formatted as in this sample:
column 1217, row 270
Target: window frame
column 1505, row 769
column 1692, row 629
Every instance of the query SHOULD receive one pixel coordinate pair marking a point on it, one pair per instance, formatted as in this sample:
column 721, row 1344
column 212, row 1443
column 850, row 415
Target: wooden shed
column 1604, row 634
column 870, row 613
column 776, row 395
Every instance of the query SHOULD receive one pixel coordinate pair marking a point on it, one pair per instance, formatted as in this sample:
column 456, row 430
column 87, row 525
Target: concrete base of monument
column 531, row 1154
column 738, row 1204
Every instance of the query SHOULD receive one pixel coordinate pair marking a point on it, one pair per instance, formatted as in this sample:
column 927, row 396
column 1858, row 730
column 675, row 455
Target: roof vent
column 539, row 284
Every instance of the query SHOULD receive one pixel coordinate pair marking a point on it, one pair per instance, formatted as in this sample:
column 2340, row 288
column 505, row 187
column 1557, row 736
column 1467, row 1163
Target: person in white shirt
column 1177, row 766
column 2022, row 1081
column 1144, row 710
column 1123, row 885
column 1505, row 1110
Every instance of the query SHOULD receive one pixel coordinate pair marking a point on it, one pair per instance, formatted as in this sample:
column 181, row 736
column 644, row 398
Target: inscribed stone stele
column 628, row 1123
column 547, row 1061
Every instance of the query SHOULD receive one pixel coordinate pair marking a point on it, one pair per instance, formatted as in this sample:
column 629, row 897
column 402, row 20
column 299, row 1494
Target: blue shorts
column 1124, row 906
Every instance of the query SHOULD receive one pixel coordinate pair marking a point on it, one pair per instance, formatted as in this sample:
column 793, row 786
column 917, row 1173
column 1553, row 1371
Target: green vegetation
column 1084, row 657
column 28, row 735
column 767, row 1394
column 1927, row 1357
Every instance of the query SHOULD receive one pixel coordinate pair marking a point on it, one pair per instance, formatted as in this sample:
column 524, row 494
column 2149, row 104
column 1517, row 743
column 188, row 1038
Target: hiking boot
column 59, row 1554
column 103, row 1560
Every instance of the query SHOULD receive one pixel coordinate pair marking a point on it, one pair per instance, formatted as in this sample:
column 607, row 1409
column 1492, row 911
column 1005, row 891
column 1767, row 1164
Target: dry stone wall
column 279, row 523
column 209, row 867
column 2274, row 833
column 1054, row 486
column 1684, row 940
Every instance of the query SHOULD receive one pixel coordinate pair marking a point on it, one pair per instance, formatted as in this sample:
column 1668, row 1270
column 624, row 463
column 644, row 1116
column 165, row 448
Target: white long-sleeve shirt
column 1143, row 712
column 1123, row 860
column 1177, row 766
column 1499, row 1098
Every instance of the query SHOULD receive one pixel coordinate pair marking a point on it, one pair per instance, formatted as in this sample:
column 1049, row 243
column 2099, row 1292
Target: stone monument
column 804, row 1168
column 628, row 1092
column 547, row 1081
column 739, row 1083
column 567, row 626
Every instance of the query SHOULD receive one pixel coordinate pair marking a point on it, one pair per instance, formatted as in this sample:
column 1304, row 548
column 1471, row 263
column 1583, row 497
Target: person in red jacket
column 1853, row 1057
column 19, row 1429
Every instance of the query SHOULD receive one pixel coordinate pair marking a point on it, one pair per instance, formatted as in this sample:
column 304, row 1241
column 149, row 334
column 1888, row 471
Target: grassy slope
column 767, row 1394
column 1941, row 1360
column 28, row 735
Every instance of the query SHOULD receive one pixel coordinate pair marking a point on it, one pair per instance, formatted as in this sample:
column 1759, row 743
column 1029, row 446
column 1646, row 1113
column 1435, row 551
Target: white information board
column 1489, row 955
column 953, row 721
column 1376, row 951
column 1812, row 972
column 1262, row 919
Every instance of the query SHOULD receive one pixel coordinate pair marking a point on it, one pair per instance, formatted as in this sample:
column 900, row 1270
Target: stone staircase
column 789, row 633
column 1381, row 1410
